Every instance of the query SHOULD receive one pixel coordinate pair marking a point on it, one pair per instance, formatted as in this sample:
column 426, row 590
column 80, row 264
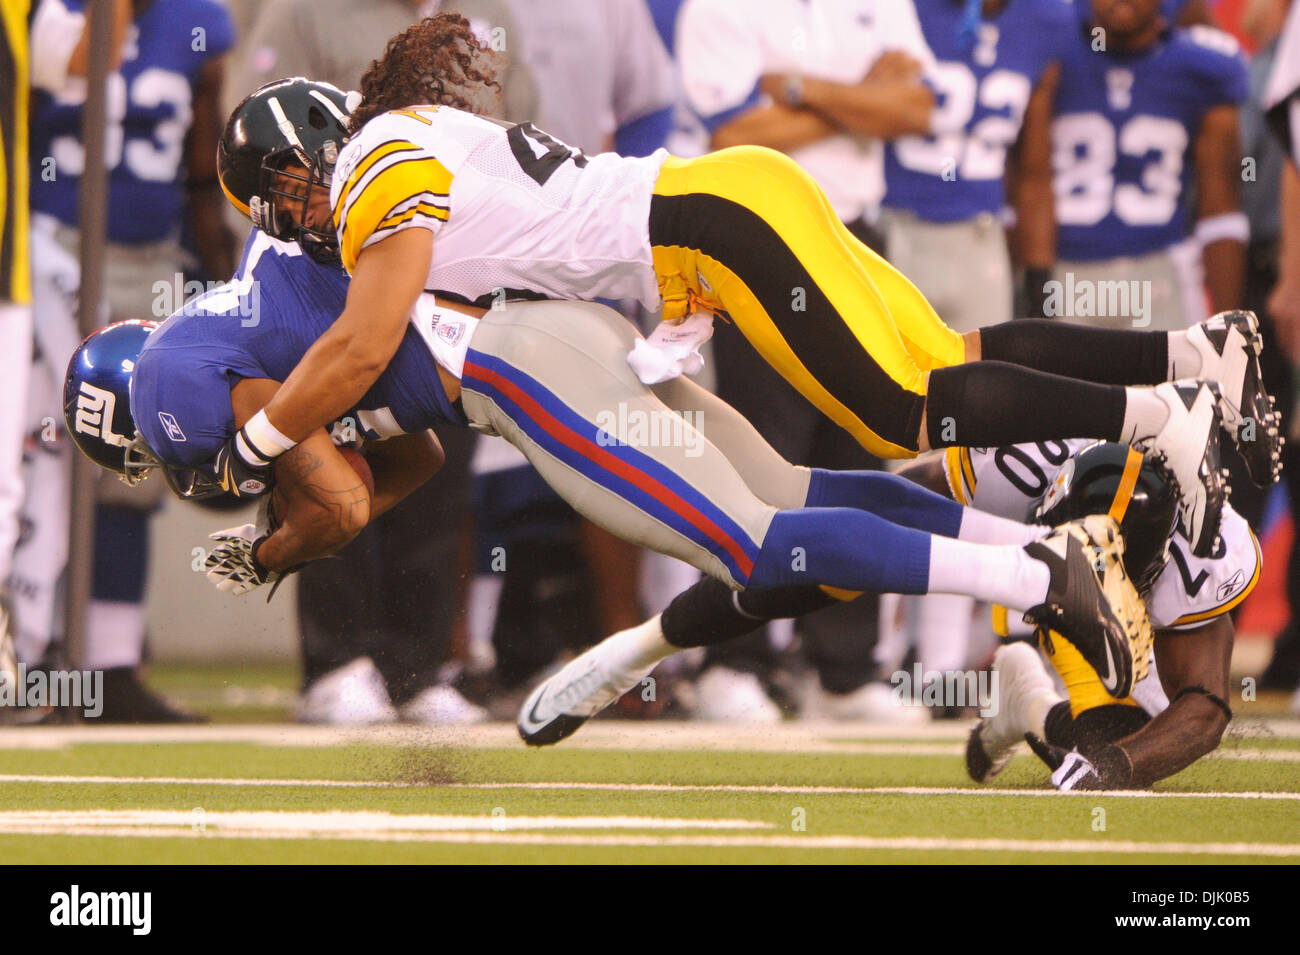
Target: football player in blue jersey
column 1147, row 173
column 545, row 376
column 163, row 124
column 996, row 63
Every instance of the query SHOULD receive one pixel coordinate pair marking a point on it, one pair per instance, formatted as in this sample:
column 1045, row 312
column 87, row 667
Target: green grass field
column 617, row 792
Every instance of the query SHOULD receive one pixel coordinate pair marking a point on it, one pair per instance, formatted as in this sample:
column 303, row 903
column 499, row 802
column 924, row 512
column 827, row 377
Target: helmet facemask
column 269, row 209
column 189, row 484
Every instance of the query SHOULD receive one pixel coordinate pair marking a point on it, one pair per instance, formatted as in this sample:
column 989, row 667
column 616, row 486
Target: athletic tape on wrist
column 260, row 441
column 1230, row 225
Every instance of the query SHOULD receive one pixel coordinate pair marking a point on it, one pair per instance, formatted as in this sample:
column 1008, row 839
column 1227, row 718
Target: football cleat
column 1230, row 345
column 1022, row 679
column 1188, row 446
column 1092, row 600
column 583, row 687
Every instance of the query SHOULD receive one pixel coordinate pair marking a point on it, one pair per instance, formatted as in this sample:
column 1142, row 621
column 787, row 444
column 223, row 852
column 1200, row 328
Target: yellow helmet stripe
column 1127, row 482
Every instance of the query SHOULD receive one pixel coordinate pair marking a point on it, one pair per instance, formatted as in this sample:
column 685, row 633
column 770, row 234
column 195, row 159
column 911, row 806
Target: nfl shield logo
column 449, row 332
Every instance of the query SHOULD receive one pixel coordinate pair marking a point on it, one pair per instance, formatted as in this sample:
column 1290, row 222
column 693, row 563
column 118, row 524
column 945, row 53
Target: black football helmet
column 294, row 120
column 1110, row 478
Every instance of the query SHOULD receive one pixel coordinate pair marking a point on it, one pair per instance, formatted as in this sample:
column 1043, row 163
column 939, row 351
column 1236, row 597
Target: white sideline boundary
column 488, row 830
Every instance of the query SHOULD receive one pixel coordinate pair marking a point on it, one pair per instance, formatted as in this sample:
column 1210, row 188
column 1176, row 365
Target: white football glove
column 232, row 564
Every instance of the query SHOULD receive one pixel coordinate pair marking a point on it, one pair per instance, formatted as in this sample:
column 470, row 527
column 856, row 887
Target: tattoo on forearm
column 296, row 463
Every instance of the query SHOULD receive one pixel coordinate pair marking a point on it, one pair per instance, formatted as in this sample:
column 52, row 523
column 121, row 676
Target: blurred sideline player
column 1146, row 157
column 377, row 625
column 825, row 83
column 1282, row 100
column 164, row 121
column 943, row 216
column 15, row 297
column 1179, row 711
column 42, row 48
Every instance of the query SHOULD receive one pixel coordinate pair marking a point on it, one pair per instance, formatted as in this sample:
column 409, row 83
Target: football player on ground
column 742, row 231
column 543, row 375
column 1178, row 712
column 1096, row 739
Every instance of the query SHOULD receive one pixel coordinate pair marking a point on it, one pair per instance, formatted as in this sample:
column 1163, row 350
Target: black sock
column 1107, row 723
column 1104, row 355
column 1058, row 727
column 987, row 404
column 706, row 613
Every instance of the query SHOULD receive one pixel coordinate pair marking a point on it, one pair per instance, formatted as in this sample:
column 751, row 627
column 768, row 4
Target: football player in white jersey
column 743, row 231
column 1093, row 739
column 1174, row 716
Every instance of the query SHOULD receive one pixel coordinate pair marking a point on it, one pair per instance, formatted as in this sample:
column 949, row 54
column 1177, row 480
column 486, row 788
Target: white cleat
column 730, row 696
column 1230, row 344
column 441, row 705
column 1188, row 446
column 583, row 687
column 1022, row 681
column 874, row 702
column 352, row 695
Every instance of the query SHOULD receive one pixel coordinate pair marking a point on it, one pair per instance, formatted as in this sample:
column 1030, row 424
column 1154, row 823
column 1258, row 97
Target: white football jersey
column 514, row 212
column 1189, row 591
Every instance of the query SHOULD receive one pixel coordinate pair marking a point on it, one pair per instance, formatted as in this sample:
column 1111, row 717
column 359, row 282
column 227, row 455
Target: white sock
column 1000, row 574
column 1184, row 358
column 1036, row 709
column 1144, row 414
column 979, row 527
column 116, row 635
column 638, row 647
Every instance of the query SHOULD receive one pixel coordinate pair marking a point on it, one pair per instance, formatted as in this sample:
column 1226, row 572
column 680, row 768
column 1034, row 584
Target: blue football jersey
column 1123, row 132
column 260, row 325
column 150, row 110
column 982, row 89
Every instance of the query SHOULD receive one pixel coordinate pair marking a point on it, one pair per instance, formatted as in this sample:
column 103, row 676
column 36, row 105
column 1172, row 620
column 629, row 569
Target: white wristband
column 1229, row 225
column 260, row 441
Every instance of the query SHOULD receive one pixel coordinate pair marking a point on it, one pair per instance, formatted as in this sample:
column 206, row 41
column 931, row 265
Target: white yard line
column 250, row 782
column 272, row 823
column 487, row 830
column 939, row 739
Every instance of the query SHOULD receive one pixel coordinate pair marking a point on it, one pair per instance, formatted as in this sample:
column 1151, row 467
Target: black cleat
column 128, row 700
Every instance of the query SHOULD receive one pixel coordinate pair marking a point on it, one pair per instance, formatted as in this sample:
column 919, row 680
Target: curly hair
column 432, row 62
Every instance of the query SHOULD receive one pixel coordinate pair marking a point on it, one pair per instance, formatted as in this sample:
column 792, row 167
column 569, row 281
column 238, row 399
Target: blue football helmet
column 97, row 410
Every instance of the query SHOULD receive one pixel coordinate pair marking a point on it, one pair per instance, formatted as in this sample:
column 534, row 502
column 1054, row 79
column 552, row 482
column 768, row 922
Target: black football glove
column 1109, row 768
column 239, row 474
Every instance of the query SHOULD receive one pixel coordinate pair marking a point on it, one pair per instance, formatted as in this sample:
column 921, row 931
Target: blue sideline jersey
column 1123, row 131
column 982, row 88
column 259, row 326
column 150, row 112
